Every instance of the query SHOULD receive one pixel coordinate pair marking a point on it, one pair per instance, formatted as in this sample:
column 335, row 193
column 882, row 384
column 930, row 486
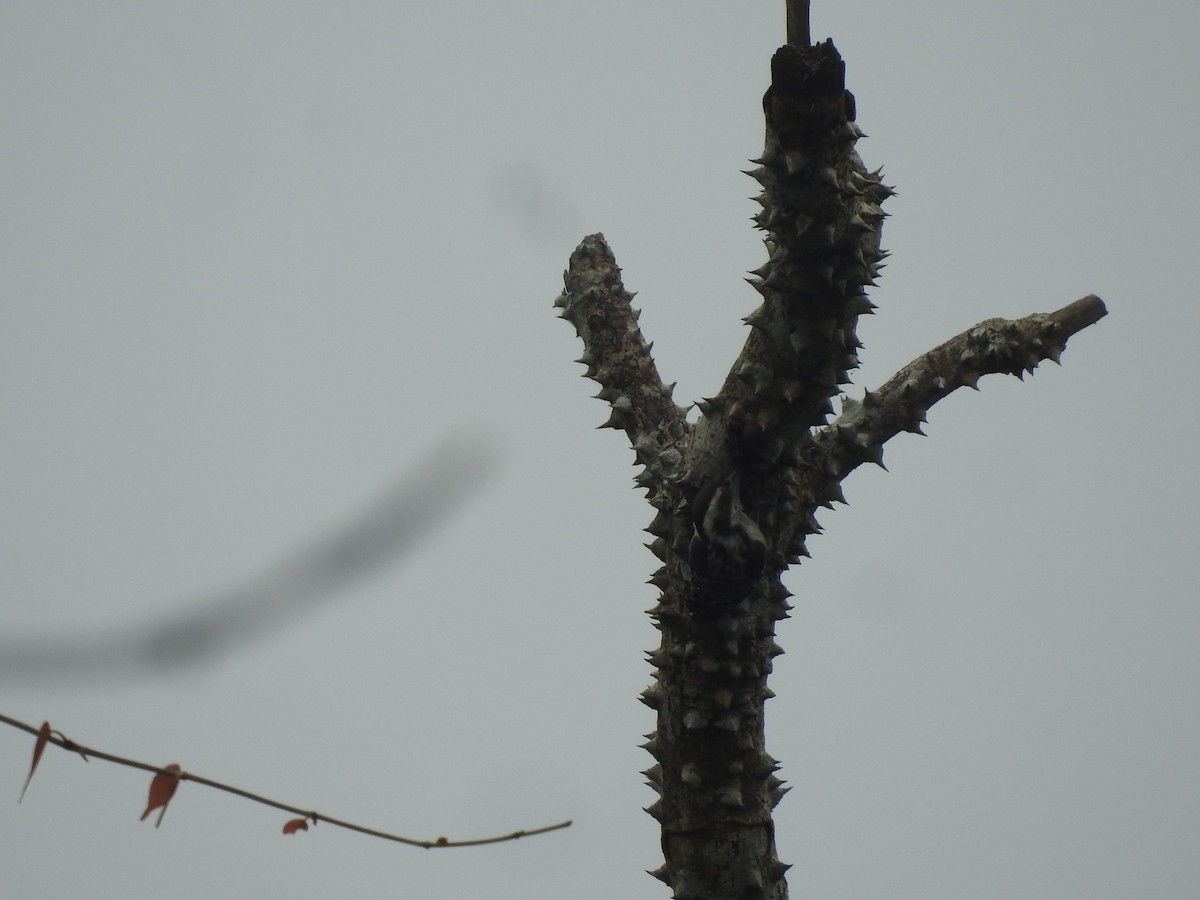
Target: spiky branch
column 763, row 445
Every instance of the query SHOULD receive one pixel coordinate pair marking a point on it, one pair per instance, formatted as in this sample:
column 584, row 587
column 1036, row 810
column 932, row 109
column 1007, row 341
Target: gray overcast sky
column 259, row 259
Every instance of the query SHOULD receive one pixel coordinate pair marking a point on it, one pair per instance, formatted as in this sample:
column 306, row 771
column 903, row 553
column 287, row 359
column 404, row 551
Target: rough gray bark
column 768, row 432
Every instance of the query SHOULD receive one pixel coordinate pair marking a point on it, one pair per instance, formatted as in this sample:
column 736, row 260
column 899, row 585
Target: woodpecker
column 728, row 551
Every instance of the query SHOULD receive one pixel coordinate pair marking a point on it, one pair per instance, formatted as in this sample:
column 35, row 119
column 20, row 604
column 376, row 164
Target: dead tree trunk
column 736, row 492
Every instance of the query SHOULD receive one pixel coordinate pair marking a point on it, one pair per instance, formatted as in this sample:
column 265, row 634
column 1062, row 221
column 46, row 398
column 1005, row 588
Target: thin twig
column 798, row 32
column 60, row 740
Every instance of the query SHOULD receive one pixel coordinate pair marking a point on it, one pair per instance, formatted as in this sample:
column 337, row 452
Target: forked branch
column 736, row 489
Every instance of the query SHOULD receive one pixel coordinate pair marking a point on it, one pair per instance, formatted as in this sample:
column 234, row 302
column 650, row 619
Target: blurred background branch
column 215, row 623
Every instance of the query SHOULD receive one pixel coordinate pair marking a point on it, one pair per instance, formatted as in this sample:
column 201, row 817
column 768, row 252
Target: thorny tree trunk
column 764, row 444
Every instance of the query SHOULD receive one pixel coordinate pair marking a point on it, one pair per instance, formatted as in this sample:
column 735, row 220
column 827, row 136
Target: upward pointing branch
column 798, row 33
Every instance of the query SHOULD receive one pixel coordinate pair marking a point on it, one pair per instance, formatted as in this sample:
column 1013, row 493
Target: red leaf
column 43, row 735
column 162, row 789
column 295, row 825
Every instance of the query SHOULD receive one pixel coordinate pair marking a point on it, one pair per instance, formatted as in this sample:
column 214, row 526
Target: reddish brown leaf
column 295, row 825
column 162, row 789
column 43, row 735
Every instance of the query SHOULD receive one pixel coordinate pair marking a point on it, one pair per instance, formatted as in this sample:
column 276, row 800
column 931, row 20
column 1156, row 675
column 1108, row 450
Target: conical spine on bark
column 715, row 784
